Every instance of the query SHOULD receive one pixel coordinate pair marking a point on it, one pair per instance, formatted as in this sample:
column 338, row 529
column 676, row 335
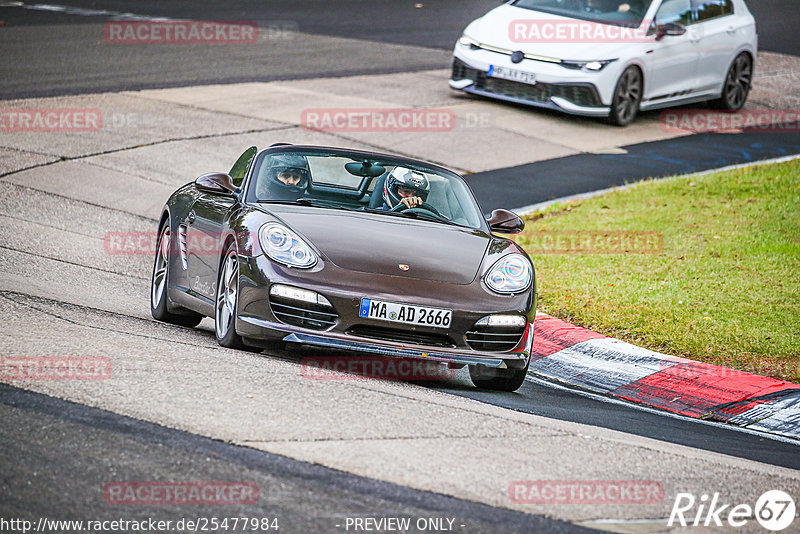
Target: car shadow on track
column 330, row 364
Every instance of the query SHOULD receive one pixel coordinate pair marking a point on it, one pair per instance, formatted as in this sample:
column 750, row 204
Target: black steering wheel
column 424, row 207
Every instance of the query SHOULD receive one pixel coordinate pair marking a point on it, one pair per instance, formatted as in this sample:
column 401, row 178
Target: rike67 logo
column 774, row 510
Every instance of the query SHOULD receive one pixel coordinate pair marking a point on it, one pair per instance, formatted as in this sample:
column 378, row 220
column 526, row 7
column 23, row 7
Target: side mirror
column 216, row 182
column 505, row 222
column 670, row 28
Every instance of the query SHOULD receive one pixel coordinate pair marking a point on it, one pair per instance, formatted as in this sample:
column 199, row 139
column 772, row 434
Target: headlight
column 510, row 274
column 593, row 66
column 284, row 246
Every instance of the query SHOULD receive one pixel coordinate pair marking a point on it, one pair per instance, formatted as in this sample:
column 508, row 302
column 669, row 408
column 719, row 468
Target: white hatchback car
column 610, row 58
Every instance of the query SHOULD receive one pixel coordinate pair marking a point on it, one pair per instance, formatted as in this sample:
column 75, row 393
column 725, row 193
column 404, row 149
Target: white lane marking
column 533, row 208
column 611, row 400
column 83, row 12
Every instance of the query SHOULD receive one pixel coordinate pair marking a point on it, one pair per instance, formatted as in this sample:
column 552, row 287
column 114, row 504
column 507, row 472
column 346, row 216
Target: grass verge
column 704, row 267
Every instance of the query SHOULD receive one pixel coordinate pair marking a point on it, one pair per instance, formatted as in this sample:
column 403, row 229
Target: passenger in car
column 285, row 178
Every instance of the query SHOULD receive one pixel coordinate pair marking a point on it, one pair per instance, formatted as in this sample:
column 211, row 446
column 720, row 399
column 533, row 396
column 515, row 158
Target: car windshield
column 621, row 12
column 355, row 181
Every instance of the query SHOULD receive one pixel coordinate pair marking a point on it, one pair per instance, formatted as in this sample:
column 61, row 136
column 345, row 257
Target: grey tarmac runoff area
column 177, row 407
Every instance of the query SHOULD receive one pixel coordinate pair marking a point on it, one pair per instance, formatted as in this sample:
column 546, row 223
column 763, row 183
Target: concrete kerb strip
column 593, row 362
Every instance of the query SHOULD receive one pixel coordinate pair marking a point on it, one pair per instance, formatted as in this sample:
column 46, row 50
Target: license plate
column 405, row 313
column 512, row 74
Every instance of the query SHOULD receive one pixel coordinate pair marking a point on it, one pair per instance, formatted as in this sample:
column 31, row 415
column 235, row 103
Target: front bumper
column 574, row 96
column 257, row 320
column 500, row 361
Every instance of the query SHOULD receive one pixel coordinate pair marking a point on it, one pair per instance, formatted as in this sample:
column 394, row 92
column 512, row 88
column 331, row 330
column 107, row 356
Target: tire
column 497, row 379
column 159, row 284
column 737, row 84
column 627, row 97
column 225, row 305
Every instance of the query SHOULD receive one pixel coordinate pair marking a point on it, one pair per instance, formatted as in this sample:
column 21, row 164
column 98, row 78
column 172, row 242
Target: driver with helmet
column 285, row 178
column 405, row 186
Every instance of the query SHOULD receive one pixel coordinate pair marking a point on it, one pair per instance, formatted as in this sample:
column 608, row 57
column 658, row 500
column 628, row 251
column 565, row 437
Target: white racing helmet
column 408, row 178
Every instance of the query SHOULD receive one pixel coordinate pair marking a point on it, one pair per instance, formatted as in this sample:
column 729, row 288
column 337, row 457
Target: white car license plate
column 512, row 74
column 405, row 313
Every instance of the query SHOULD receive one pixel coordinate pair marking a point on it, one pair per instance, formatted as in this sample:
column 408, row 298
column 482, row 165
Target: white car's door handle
column 731, row 30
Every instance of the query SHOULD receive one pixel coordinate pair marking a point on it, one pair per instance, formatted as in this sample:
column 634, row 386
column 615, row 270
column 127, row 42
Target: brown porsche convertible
column 358, row 251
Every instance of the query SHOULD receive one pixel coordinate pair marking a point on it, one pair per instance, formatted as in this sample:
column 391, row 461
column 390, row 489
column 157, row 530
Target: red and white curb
column 579, row 357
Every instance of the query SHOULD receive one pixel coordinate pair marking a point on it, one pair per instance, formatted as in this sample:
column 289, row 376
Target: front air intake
column 398, row 335
column 305, row 314
column 488, row 338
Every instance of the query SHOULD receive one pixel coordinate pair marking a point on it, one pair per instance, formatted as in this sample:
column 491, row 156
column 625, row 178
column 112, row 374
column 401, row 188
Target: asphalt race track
column 180, row 408
column 541, row 398
column 571, row 175
column 146, row 451
column 74, row 61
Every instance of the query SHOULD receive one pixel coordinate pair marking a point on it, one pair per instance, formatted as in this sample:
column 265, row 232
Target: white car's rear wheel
column 737, row 84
